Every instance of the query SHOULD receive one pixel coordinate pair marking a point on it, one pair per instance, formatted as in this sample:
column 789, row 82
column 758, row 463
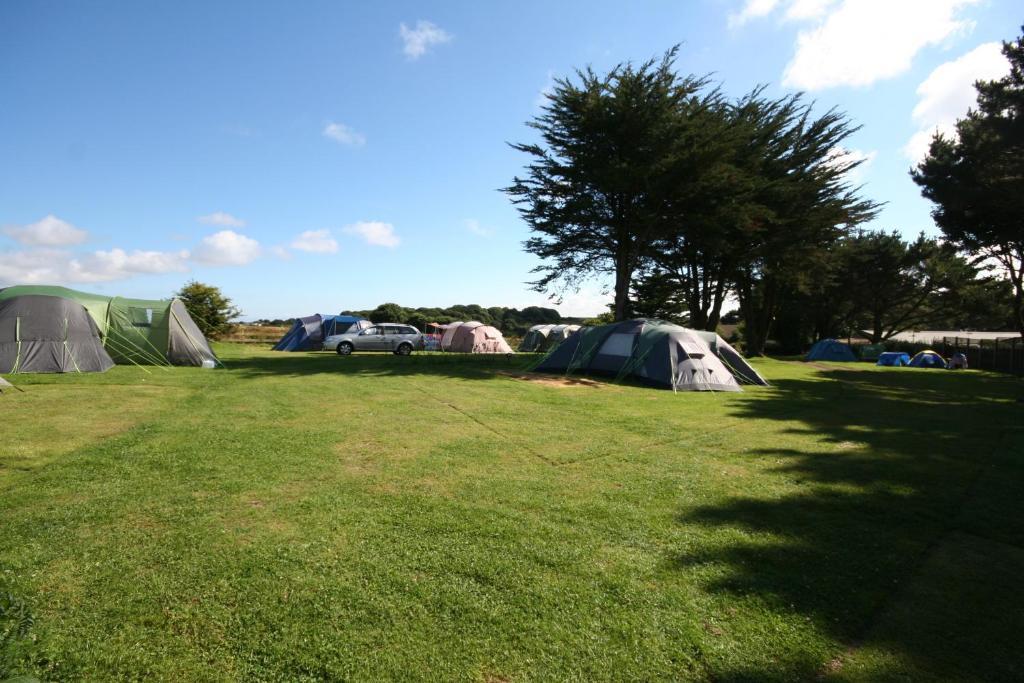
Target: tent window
column 141, row 317
column 618, row 345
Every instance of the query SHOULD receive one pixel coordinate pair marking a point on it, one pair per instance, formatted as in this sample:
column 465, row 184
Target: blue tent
column 830, row 350
column 308, row 334
column 928, row 359
column 894, row 358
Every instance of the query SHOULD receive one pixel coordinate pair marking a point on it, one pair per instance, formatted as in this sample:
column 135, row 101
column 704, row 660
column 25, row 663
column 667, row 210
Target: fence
column 998, row 355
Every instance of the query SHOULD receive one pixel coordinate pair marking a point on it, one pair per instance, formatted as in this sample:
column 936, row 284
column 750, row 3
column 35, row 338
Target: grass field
column 310, row 517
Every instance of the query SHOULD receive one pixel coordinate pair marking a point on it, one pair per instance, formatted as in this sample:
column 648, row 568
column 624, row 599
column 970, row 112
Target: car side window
column 408, row 330
column 370, row 330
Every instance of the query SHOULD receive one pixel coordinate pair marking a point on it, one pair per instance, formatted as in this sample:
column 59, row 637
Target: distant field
column 309, row 517
column 255, row 334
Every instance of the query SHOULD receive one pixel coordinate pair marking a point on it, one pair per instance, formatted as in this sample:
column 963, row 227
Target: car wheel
column 345, row 348
column 404, row 349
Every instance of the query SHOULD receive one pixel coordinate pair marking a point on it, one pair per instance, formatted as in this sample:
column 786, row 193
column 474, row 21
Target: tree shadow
column 899, row 462
column 464, row 366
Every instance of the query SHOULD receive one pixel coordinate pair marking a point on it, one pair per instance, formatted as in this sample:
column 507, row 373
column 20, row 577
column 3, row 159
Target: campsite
column 509, row 342
column 190, row 523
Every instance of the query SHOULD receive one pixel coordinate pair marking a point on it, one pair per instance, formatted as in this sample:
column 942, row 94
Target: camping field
column 310, row 517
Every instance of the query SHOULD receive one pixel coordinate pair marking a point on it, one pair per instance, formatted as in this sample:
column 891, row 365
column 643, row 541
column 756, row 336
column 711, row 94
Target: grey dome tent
column 654, row 352
column 558, row 334
column 49, row 334
column 535, row 338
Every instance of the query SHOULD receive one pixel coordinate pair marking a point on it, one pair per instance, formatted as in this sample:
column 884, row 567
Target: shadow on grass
column 903, row 460
column 465, row 366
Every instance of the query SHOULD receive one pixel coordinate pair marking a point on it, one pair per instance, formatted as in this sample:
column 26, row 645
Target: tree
column 212, row 311
column 976, row 177
column 595, row 194
column 894, row 286
column 388, row 313
column 794, row 205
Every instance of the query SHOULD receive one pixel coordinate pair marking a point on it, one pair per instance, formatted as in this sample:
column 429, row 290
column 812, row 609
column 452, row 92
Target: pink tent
column 449, row 332
column 476, row 337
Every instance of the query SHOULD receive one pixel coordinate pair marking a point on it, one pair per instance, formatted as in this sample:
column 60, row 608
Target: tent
column 137, row 331
column 535, row 338
column 830, row 350
column 558, row 334
column 475, row 337
column 652, row 351
column 894, row 358
column 49, row 334
column 545, row 337
column 928, row 359
column 308, row 334
column 743, row 371
column 449, row 332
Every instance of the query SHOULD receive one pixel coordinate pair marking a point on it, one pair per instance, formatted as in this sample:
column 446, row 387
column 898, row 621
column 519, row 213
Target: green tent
column 141, row 331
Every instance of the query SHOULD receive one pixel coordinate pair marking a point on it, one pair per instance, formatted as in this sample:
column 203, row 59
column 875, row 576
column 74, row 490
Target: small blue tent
column 928, row 359
column 308, row 334
column 831, row 350
column 894, row 358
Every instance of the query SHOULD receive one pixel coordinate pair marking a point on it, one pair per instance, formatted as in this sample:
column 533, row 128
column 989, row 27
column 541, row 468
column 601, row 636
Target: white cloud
column 375, row 232
column 281, row 252
column 35, row 266
column 752, row 9
column 859, row 42
column 474, row 226
column 949, row 92
column 227, row 248
column 316, row 241
column 416, row 41
column 117, row 264
column 805, row 10
column 221, row 218
column 50, row 231
column 590, row 301
column 341, row 133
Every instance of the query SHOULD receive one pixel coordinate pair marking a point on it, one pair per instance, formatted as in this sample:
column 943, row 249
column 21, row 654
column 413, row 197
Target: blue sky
column 319, row 156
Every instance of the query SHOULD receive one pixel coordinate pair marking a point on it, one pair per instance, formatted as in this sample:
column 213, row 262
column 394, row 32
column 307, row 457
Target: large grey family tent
column 830, row 350
column 652, row 351
column 49, row 334
column 134, row 331
column 308, row 334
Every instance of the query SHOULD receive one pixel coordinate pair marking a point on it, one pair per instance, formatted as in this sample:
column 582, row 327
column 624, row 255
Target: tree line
column 508, row 320
column 687, row 199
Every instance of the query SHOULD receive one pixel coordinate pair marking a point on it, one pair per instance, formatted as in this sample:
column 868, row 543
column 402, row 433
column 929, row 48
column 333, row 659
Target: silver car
column 394, row 337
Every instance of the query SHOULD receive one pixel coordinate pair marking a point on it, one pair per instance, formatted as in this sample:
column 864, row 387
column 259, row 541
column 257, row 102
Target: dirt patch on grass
column 554, row 380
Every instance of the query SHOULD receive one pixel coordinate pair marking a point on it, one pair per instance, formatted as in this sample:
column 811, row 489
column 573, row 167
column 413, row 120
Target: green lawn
column 310, row 517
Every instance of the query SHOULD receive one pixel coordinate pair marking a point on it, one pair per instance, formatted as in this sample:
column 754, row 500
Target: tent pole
column 17, row 336
column 67, row 349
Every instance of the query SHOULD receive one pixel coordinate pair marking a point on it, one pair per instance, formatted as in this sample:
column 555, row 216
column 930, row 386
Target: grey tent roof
column 49, row 334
